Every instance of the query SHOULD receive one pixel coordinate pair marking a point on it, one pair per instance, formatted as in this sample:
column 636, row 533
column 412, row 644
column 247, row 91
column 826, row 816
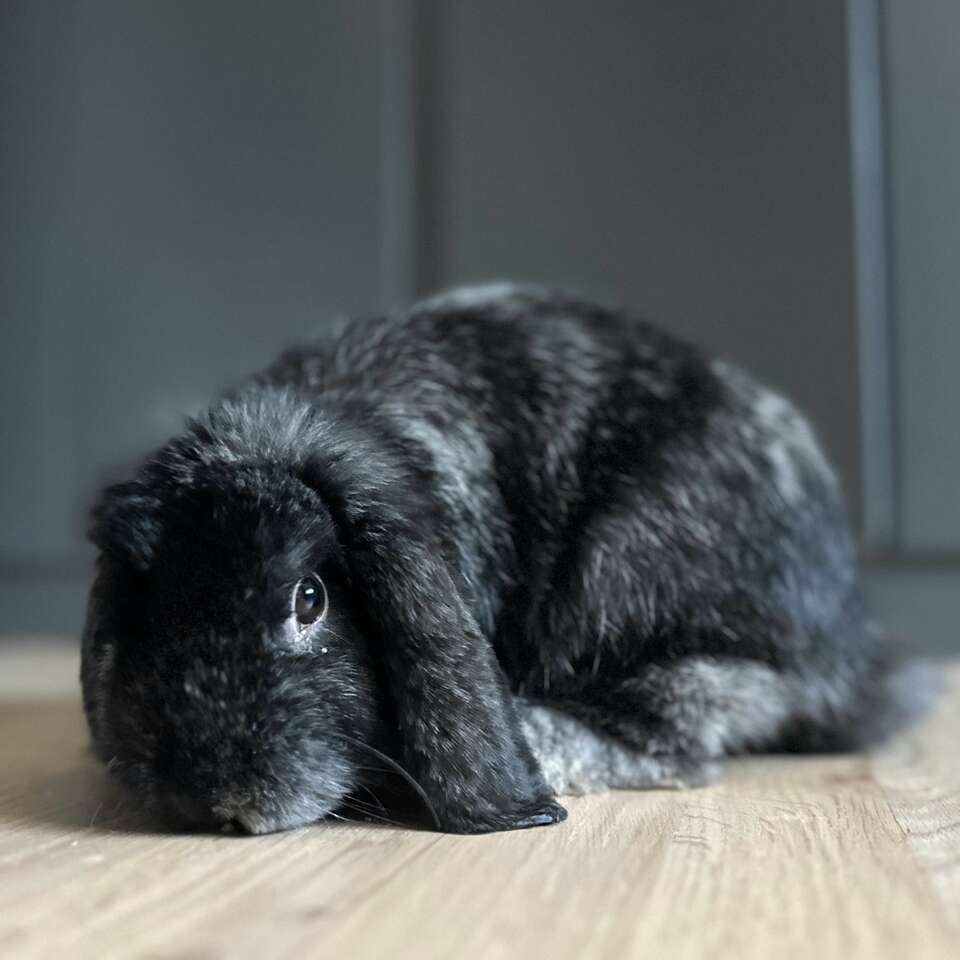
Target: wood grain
column 920, row 776
column 801, row 857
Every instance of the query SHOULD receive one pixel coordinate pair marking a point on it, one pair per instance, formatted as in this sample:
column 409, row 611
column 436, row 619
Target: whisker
column 361, row 804
column 374, row 769
column 373, row 816
column 421, row 793
column 376, row 799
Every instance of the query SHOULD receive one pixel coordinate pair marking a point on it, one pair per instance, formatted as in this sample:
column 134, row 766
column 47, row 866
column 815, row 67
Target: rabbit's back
column 575, row 444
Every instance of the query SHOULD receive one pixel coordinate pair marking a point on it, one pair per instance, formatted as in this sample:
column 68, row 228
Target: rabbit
column 510, row 542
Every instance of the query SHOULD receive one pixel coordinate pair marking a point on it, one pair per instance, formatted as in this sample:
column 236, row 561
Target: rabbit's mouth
column 246, row 818
column 257, row 808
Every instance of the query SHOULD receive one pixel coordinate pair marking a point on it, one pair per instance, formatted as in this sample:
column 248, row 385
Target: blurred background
column 186, row 187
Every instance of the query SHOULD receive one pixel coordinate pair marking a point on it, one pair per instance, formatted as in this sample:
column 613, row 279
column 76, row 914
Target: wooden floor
column 813, row 857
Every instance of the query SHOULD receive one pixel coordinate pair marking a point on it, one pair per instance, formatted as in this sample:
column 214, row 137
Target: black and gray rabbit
column 516, row 543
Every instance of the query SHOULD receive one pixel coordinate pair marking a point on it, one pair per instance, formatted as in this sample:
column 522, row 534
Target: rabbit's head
column 225, row 676
column 276, row 595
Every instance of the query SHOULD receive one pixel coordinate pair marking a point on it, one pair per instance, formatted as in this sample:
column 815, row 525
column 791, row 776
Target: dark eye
column 310, row 600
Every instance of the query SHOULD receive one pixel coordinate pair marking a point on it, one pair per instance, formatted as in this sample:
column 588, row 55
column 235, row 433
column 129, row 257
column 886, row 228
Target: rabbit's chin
column 299, row 812
column 258, row 809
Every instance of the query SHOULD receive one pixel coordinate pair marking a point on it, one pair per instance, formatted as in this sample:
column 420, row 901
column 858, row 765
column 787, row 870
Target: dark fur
column 513, row 498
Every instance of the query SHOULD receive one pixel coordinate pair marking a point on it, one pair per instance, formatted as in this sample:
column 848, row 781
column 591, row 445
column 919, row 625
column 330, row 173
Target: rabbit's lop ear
column 461, row 734
column 459, row 727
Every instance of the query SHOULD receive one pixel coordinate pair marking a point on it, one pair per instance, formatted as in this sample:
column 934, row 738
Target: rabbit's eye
column 310, row 600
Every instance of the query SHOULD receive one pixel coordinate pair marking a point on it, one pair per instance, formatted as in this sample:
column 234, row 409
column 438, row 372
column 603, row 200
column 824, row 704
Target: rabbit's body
column 652, row 542
column 647, row 545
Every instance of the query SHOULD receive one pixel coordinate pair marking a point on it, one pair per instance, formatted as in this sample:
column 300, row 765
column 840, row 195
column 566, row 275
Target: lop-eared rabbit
column 510, row 542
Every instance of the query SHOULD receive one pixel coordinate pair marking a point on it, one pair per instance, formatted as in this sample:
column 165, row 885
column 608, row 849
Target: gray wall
column 923, row 70
column 186, row 186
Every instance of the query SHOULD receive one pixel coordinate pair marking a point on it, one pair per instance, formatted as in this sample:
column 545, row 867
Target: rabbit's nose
column 247, row 822
column 195, row 814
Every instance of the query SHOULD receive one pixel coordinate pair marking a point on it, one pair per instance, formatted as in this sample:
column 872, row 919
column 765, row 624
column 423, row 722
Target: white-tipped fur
column 788, row 439
column 716, row 708
column 577, row 759
column 478, row 295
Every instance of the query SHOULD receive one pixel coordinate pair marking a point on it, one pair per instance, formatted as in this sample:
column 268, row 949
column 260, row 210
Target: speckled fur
column 564, row 552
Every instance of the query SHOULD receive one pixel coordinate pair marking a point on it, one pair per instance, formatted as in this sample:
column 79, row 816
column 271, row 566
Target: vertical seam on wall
column 432, row 89
column 398, row 152
column 892, row 315
column 878, row 440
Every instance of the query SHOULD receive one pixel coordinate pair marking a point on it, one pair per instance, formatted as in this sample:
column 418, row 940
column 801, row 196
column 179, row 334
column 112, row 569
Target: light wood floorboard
column 817, row 857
